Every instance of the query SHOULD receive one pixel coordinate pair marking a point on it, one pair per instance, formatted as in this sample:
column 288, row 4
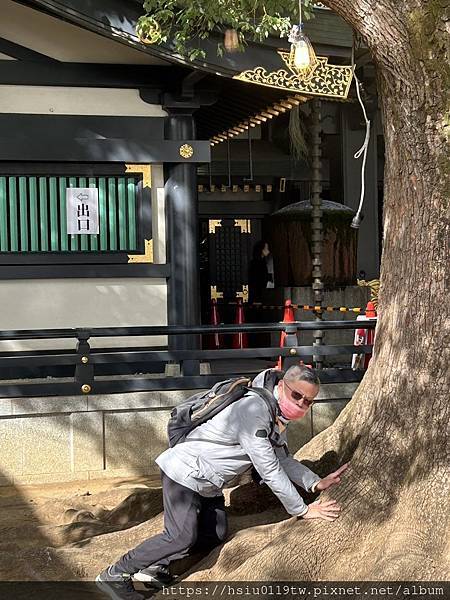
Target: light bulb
column 302, row 59
column 302, row 56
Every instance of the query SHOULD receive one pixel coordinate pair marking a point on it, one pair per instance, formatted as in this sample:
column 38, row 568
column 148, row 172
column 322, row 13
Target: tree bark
column 395, row 497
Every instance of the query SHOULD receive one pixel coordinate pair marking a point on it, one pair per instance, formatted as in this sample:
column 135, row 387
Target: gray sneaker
column 117, row 587
column 155, row 576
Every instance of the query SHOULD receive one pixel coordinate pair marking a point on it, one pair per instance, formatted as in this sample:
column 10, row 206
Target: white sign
column 82, row 211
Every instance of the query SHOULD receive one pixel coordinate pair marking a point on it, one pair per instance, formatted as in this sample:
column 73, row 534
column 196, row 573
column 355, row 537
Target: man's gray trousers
column 192, row 523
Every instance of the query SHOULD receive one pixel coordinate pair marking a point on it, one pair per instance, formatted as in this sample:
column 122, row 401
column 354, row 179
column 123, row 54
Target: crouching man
column 242, row 435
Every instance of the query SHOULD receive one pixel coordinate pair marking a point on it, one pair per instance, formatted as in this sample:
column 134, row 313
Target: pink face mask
column 290, row 410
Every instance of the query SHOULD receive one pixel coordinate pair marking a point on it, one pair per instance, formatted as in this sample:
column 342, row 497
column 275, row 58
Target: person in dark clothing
column 258, row 278
column 258, row 273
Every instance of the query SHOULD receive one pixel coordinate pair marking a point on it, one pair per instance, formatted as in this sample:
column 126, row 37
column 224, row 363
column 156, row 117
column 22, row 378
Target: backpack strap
column 271, row 379
column 266, row 394
column 272, row 405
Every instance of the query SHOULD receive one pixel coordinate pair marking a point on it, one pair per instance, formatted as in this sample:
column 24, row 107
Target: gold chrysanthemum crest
column 186, row 151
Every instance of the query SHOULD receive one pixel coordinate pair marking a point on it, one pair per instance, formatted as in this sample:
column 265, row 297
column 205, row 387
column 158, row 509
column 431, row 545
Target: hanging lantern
column 231, row 40
column 302, row 57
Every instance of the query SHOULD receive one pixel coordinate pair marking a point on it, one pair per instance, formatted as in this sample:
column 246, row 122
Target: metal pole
column 250, row 154
column 229, row 160
column 316, row 224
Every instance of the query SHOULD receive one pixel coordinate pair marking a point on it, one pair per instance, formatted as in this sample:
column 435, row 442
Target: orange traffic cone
column 240, row 340
column 370, row 310
column 288, row 317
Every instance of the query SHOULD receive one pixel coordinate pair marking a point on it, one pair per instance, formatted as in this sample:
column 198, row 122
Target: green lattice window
column 33, row 214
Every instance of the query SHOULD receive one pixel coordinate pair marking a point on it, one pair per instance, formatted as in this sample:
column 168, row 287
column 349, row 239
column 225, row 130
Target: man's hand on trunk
column 331, row 479
column 328, row 511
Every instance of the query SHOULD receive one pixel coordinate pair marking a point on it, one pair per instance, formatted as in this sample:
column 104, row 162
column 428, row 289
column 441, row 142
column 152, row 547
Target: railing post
column 84, row 370
column 291, row 341
column 190, row 367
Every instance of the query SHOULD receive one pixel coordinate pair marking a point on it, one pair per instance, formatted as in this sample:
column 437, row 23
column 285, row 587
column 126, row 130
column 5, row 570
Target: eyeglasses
column 297, row 396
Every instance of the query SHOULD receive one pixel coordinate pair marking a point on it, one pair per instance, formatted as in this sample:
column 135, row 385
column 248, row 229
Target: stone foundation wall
column 45, row 440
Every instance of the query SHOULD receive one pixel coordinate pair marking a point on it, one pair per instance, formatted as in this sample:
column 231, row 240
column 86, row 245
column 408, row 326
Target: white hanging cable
column 356, row 222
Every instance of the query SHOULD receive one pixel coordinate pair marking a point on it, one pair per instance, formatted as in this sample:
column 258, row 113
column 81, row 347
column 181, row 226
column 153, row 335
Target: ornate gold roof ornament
column 331, row 81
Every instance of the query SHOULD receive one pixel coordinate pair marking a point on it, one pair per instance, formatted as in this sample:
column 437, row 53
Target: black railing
column 87, row 362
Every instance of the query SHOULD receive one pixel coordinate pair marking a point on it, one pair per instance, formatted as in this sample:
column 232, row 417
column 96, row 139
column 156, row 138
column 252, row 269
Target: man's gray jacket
column 231, row 442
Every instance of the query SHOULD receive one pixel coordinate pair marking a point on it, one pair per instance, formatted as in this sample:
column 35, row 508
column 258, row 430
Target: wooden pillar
column 182, row 217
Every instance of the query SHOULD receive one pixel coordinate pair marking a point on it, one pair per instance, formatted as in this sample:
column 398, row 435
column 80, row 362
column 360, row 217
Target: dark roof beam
column 22, row 53
column 189, row 82
column 18, row 72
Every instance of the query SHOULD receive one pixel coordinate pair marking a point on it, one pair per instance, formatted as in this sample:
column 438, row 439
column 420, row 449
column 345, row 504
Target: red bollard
column 240, row 340
column 288, row 317
column 364, row 337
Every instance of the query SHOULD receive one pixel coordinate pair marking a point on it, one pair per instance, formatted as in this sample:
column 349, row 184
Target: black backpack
column 201, row 407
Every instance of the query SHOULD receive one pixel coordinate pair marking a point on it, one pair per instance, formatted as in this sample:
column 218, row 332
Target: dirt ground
column 71, row 531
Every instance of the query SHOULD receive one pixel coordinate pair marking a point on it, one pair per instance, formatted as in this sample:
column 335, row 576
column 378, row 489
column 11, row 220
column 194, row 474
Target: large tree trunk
column 395, row 498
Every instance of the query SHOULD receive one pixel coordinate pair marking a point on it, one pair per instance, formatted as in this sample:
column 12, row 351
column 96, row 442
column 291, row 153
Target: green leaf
column 185, row 21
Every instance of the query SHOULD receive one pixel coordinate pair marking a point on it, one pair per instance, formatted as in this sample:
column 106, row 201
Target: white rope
column 364, row 148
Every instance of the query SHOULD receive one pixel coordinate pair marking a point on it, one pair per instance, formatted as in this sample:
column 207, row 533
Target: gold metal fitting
column 147, row 257
column 187, row 151
column 213, row 223
column 144, row 170
column 293, row 351
column 86, row 388
column 84, row 360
